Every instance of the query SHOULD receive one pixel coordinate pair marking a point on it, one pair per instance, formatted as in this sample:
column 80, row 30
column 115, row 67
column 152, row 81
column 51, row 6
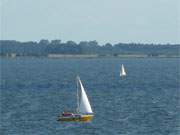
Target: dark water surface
column 35, row 90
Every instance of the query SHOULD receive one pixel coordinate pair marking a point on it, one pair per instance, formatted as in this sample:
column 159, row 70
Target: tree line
column 45, row 47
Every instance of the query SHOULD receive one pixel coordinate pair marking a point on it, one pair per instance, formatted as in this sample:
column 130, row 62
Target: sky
column 113, row 21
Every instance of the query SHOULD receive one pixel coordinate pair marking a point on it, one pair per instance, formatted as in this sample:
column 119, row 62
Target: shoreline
column 91, row 56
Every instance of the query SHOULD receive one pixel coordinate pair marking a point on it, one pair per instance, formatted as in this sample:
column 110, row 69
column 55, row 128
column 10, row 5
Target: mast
column 77, row 81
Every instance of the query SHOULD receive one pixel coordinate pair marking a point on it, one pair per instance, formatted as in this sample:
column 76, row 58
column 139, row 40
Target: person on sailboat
column 67, row 114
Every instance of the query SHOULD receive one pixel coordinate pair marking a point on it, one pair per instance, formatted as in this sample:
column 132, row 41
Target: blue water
column 34, row 91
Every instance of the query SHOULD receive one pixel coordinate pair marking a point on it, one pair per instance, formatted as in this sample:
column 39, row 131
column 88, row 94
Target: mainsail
column 123, row 72
column 84, row 106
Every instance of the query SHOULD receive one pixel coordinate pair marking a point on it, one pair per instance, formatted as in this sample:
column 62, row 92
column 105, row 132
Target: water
column 34, row 91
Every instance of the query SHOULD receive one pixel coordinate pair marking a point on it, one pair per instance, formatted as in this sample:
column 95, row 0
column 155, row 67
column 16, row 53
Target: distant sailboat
column 84, row 110
column 122, row 72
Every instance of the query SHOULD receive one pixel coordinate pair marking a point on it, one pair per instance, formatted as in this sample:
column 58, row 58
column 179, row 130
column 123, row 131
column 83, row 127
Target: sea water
column 34, row 91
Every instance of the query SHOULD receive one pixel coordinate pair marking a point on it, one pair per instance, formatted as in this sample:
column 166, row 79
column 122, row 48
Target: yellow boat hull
column 82, row 118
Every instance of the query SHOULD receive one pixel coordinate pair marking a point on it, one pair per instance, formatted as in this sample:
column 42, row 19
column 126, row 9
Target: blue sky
column 140, row 21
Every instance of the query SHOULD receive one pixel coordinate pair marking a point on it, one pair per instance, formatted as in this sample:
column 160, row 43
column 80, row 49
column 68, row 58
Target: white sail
column 84, row 105
column 122, row 72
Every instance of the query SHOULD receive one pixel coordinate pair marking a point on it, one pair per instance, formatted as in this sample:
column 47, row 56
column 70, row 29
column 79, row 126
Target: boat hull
column 81, row 118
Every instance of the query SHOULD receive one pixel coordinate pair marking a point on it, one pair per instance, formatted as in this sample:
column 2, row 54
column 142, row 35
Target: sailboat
column 122, row 72
column 84, row 111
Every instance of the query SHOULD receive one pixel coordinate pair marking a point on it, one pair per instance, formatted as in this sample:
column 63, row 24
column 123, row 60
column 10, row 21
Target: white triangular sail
column 122, row 72
column 83, row 102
